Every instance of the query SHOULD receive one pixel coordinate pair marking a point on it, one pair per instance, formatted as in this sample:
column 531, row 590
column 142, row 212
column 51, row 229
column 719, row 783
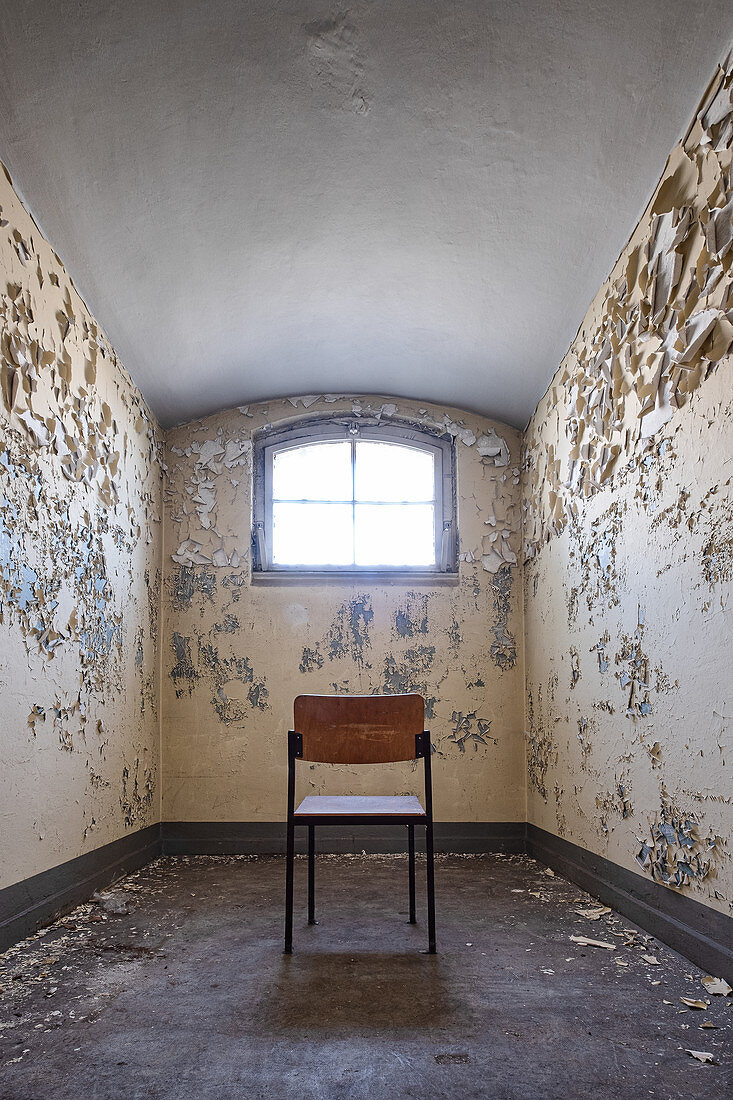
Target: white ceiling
column 407, row 197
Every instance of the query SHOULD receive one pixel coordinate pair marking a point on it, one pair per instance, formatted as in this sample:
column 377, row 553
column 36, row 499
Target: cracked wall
column 236, row 655
column 80, row 558
column 627, row 473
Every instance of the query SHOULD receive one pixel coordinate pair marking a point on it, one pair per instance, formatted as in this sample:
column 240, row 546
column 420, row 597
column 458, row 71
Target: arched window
column 344, row 496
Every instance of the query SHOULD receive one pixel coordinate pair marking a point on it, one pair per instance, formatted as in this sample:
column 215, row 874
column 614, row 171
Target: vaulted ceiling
column 267, row 198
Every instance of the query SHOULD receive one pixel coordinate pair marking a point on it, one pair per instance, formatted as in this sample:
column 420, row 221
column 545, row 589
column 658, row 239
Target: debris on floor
column 594, row 914
column 702, row 1056
column 191, row 947
column 717, row 986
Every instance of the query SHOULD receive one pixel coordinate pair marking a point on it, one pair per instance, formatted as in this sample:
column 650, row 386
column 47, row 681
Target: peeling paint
column 184, row 669
column 412, row 618
column 189, row 581
column 411, row 674
column 348, row 636
column 503, row 648
column 311, row 659
column 675, row 852
column 469, row 728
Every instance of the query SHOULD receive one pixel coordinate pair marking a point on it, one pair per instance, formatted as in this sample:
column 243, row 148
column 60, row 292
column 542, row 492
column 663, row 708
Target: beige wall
column 235, row 656
column 629, row 545
column 80, row 546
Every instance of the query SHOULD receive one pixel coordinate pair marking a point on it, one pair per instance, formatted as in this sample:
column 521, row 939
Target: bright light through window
column 356, row 503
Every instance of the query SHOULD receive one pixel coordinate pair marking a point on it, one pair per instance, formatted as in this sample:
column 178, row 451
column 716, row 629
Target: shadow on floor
column 372, row 991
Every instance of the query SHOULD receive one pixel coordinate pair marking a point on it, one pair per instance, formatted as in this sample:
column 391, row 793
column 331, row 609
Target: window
column 342, row 496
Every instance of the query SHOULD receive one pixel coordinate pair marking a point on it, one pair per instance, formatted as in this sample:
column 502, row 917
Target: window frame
column 269, row 441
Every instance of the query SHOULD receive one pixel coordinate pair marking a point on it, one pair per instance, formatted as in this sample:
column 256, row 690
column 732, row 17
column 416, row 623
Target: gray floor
column 186, row 992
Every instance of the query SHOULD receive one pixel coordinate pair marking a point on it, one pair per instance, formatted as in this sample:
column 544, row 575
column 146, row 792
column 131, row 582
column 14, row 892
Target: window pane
column 312, row 534
column 395, row 534
column 389, row 471
column 315, row 471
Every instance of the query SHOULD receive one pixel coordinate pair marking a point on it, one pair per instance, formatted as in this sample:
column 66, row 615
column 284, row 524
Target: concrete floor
column 185, row 991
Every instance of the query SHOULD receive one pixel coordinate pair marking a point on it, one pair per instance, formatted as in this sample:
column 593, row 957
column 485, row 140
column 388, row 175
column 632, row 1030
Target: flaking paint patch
column 503, row 648
column 229, row 625
column 237, row 690
column 348, row 636
column 470, row 729
column 312, row 659
column 542, row 753
column 411, row 674
column 675, row 851
column 412, row 618
column 717, row 554
column 614, row 806
column 189, row 581
column 184, row 672
column 138, row 789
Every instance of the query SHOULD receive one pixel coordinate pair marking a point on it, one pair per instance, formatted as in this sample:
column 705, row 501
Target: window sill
column 423, row 578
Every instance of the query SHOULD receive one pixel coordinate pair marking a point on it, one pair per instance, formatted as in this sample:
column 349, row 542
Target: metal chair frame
column 295, row 753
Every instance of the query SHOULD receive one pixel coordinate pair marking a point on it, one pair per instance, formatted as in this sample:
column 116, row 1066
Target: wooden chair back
column 359, row 729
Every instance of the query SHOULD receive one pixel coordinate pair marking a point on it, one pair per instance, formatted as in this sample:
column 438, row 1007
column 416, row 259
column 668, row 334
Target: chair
column 358, row 729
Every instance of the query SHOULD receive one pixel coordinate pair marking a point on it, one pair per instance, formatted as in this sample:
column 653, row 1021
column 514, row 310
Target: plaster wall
column 80, row 548
column 629, row 544
column 235, row 655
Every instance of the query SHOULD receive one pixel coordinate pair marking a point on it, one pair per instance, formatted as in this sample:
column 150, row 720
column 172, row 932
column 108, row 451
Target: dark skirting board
column 268, row 838
column 26, row 906
column 701, row 934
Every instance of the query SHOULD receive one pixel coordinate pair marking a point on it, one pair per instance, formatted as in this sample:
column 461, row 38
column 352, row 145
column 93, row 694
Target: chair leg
column 431, row 887
column 411, row 870
column 312, row 875
column 289, row 868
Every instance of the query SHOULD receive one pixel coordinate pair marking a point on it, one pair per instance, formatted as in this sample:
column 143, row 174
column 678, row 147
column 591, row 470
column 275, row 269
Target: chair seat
column 330, row 809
